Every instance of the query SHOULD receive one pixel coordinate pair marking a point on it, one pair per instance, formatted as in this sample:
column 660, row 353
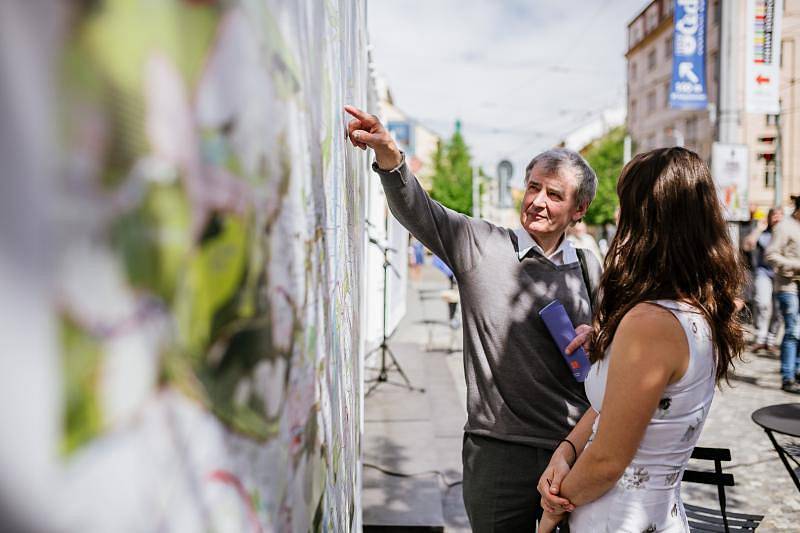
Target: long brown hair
column 671, row 243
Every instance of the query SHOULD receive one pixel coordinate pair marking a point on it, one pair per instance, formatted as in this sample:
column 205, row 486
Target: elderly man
column 521, row 396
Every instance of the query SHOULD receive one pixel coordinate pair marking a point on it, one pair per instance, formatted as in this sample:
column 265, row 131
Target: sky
column 519, row 74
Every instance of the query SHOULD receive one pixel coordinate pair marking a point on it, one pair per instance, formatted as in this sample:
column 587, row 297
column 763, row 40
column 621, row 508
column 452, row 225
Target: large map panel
column 207, row 253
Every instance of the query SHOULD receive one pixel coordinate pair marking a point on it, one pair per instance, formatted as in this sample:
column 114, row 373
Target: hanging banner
column 729, row 169
column 688, row 86
column 763, row 49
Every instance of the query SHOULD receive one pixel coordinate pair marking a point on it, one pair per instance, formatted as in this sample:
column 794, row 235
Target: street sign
column 763, row 56
column 729, row 170
column 688, row 86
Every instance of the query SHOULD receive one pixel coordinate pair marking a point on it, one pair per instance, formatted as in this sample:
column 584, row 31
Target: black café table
column 784, row 419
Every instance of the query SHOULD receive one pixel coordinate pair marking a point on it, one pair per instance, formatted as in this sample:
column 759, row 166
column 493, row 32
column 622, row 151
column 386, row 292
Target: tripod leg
column 401, row 371
column 383, row 376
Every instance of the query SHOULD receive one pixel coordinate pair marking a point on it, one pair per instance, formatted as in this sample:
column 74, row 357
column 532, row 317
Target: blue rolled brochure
column 560, row 326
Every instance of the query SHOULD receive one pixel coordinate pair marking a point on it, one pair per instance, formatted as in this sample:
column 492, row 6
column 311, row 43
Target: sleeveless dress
column 647, row 496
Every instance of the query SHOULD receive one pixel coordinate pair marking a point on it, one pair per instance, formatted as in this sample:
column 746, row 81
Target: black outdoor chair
column 706, row 519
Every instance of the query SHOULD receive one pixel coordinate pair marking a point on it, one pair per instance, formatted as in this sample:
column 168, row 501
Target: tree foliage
column 451, row 183
column 605, row 157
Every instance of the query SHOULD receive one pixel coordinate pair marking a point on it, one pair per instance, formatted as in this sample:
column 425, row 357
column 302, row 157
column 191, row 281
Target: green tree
column 605, row 157
column 451, row 183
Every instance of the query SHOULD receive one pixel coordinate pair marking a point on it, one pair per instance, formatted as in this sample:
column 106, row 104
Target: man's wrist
column 389, row 161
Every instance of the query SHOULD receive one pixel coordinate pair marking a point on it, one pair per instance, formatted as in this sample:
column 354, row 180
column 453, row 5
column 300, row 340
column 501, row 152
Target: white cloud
column 519, row 74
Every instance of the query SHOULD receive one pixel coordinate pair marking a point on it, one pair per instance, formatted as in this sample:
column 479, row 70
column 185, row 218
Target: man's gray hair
column 556, row 160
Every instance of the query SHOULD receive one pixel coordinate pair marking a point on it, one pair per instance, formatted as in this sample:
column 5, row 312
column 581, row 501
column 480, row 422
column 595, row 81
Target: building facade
column 652, row 123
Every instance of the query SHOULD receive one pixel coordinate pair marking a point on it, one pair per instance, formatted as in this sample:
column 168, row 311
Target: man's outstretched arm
column 448, row 234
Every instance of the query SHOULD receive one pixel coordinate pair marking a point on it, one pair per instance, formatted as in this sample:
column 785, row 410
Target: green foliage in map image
column 209, row 282
column 153, row 240
column 81, row 363
column 212, row 224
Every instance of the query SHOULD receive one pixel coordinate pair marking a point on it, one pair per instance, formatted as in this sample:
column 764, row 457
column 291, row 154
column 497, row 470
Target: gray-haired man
column 521, row 396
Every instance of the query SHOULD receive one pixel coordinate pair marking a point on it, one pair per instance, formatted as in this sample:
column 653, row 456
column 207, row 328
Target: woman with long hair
column 665, row 333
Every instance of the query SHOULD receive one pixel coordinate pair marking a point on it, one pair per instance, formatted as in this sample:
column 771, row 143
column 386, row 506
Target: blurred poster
column 763, row 55
column 729, row 169
column 688, row 87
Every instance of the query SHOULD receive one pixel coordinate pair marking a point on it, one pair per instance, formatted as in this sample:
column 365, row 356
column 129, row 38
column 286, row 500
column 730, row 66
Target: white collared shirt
column 565, row 254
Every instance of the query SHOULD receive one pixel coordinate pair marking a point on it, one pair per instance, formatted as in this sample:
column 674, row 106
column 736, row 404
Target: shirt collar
column 565, row 254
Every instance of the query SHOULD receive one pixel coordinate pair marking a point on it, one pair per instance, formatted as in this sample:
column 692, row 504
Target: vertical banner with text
column 763, row 49
column 688, row 86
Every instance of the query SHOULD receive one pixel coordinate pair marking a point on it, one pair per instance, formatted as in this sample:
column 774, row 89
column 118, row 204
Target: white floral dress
column 647, row 497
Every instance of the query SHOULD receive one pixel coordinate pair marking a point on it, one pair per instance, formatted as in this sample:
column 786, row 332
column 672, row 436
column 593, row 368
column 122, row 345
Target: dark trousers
column 500, row 481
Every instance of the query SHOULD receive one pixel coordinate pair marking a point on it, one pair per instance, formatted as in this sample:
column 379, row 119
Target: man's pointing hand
column 366, row 130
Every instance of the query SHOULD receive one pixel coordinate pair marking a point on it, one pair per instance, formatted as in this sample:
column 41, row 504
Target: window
column 717, row 12
column 651, row 18
column 633, row 70
column 691, row 130
column 770, row 120
column 651, row 59
column 635, row 33
column 633, row 111
column 651, row 101
column 668, row 48
column 769, row 175
column 666, row 95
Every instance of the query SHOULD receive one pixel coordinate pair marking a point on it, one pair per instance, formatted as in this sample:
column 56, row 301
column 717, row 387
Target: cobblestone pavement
column 763, row 485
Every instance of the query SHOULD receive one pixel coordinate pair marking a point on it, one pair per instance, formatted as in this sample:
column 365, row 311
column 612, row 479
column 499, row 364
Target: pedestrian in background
column 417, row 250
column 581, row 238
column 766, row 310
column 783, row 254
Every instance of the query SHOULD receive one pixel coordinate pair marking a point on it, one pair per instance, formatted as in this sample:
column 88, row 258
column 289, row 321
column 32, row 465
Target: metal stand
column 388, row 359
column 784, row 458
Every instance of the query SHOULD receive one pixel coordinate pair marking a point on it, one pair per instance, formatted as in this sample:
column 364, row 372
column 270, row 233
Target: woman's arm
column 579, row 436
column 560, row 463
column 649, row 352
column 564, row 456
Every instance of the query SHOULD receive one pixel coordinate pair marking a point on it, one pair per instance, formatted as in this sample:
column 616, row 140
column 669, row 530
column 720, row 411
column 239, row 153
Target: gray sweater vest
column 519, row 387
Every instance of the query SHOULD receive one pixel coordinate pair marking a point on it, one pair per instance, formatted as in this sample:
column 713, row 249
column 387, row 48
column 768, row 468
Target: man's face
column 549, row 205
